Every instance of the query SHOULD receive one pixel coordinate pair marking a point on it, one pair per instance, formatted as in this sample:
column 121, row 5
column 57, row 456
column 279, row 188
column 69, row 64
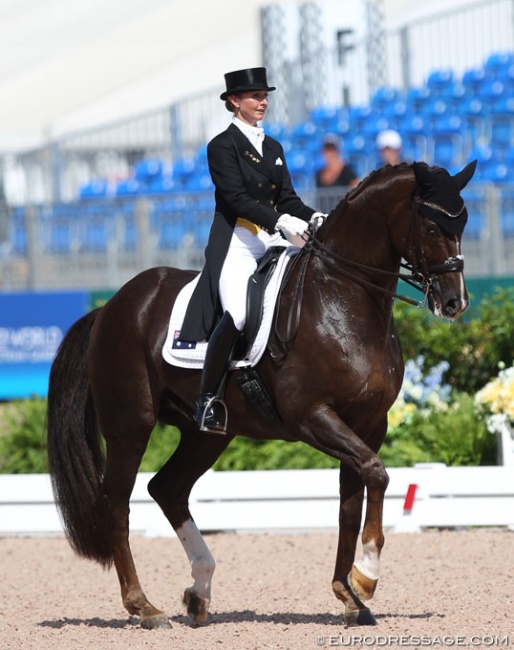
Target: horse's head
column 434, row 245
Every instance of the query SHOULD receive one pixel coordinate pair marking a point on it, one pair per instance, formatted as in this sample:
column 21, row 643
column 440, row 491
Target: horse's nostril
column 454, row 306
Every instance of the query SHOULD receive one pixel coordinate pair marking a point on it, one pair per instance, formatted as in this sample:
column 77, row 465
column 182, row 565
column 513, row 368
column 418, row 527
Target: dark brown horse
column 332, row 383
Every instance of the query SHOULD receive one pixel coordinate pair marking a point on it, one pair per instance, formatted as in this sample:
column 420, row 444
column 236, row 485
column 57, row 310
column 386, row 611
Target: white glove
column 292, row 228
column 317, row 220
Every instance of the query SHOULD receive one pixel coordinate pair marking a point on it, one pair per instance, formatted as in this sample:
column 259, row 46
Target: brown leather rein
column 419, row 278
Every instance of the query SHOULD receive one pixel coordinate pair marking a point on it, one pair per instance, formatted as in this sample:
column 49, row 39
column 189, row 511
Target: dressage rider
column 256, row 208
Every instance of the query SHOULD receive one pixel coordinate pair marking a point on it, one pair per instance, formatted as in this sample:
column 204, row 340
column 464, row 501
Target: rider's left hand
column 317, row 220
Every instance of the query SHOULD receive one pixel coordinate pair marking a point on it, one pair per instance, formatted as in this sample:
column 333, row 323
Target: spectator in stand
column 389, row 145
column 335, row 174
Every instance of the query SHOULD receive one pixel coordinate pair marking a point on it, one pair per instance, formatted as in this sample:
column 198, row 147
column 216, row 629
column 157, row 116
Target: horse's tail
column 75, row 454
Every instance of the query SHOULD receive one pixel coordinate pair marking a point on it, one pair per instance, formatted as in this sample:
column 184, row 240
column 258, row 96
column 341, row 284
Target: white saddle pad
column 192, row 355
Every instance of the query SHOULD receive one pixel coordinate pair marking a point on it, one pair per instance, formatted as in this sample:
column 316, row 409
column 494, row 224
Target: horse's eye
column 431, row 229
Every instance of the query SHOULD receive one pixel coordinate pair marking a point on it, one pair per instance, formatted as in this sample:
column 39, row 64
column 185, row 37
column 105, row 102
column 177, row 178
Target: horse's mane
column 382, row 174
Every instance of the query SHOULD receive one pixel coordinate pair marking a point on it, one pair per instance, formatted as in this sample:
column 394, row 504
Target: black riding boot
column 211, row 412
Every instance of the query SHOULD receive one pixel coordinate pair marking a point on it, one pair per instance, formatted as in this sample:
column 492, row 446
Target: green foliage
column 163, row 443
column 23, row 443
column 455, row 435
column 473, row 346
column 246, row 454
column 242, row 453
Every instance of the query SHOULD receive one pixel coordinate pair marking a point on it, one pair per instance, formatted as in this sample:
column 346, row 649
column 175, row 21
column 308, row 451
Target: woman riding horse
column 254, row 199
column 332, row 377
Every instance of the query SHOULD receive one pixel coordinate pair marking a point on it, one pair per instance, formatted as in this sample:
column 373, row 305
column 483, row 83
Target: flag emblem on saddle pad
column 182, row 345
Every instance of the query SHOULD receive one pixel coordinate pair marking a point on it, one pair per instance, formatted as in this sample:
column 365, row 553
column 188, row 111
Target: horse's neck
column 370, row 226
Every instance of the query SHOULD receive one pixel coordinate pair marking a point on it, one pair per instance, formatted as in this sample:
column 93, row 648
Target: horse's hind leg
column 122, row 463
column 170, row 488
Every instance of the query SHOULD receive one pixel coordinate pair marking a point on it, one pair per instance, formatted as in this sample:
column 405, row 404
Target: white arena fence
column 286, row 500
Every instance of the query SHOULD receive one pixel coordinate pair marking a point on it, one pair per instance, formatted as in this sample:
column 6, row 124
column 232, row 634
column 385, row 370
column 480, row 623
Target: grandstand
column 160, row 211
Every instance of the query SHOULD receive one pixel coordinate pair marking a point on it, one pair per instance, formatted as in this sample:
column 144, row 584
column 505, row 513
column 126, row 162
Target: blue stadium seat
column 395, row 112
column 148, row 170
column 473, row 79
column 491, row 91
column 130, row 187
column 95, row 189
column 433, row 110
column 383, row 99
column 201, row 229
column 496, row 172
column 324, row 117
column 501, row 122
column 454, row 95
column 447, row 141
column 18, row 237
column 202, row 163
column 276, row 130
column 94, row 237
column 199, row 183
column 171, row 234
column 483, row 155
column 60, row 237
column 507, row 212
column 183, row 169
column 473, row 114
column 416, row 98
column 440, row 81
column 476, row 205
column 163, row 185
column 413, row 130
column 357, row 117
column 129, row 235
column 373, row 127
column 498, row 63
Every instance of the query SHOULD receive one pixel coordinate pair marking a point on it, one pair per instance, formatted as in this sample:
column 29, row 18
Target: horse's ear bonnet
column 438, row 195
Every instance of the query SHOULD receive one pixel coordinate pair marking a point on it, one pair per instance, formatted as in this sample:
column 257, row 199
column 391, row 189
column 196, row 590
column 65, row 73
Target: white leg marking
column 199, row 556
column 370, row 563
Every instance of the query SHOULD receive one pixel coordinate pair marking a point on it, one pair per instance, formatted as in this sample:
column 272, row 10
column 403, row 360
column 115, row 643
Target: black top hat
column 242, row 80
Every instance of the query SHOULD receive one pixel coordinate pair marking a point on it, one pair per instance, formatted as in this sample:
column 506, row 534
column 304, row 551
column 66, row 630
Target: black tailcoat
column 248, row 185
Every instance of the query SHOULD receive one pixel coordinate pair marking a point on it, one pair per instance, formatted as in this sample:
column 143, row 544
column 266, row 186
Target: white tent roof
column 66, row 65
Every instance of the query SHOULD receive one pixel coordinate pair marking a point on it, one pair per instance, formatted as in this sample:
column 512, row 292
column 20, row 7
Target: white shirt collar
column 254, row 133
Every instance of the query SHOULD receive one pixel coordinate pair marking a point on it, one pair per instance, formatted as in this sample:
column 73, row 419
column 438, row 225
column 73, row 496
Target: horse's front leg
column 354, row 582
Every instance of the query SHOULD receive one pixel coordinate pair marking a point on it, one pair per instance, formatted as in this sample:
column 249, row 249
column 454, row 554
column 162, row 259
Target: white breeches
column 241, row 261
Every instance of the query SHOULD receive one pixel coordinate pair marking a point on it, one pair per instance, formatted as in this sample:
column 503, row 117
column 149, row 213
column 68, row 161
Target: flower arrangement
column 420, row 391
column 495, row 401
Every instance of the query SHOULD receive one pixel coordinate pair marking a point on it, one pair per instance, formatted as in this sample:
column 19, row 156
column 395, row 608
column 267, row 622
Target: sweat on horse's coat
column 333, row 368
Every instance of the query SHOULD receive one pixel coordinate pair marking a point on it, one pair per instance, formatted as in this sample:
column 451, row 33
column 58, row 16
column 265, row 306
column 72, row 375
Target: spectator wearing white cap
column 389, row 145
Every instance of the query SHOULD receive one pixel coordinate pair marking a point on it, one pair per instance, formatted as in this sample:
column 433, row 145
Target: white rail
column 284, row 500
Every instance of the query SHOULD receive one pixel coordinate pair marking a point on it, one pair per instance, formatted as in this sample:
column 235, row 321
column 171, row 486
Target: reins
column 421, row 280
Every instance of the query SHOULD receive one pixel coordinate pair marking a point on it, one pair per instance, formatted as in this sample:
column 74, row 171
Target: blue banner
column 32, row 326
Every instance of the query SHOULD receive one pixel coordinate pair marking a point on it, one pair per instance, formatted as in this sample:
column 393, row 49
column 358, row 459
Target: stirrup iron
column 209, row 406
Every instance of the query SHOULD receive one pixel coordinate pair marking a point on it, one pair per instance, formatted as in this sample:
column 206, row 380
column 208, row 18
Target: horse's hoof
column 197, row 607
column 156, row 622
column 360, row 617
column 362, row 586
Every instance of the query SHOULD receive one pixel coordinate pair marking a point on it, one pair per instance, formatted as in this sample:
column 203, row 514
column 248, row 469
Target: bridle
column 421, row 276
